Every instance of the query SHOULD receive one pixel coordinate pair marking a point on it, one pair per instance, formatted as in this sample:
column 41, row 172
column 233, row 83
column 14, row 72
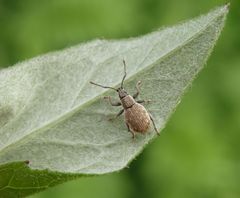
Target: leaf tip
column 227, row 6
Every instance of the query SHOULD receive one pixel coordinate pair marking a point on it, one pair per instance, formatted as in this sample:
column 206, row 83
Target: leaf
column 52, row 117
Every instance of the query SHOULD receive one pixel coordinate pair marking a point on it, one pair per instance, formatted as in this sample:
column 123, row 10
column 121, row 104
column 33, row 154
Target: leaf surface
column 52, row 117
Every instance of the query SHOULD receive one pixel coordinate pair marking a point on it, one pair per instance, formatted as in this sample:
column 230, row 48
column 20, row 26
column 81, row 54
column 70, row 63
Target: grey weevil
column 136, row 116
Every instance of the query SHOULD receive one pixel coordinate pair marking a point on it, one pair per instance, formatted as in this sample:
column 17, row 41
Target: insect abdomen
column 137, row 118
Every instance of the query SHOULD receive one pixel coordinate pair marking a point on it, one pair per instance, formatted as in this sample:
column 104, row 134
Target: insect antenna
column 125, row 73
column 106, row 87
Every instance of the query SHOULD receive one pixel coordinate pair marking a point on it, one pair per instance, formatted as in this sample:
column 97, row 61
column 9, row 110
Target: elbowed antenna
column 103, row 86
column 125, row 73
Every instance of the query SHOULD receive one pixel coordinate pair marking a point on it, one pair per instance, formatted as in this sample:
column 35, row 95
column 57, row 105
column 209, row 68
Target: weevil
column 137, row 118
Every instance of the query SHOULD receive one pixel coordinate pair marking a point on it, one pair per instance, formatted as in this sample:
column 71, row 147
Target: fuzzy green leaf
column 52, row 117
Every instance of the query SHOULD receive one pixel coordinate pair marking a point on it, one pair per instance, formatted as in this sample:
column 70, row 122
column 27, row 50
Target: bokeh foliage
column 197, row 154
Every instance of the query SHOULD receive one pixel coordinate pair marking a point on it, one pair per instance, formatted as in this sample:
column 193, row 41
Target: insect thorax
column 127, row 102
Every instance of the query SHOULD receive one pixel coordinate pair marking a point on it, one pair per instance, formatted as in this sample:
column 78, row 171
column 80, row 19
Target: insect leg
column 155, row 128
column 119, row 113
column 118, row 103
column 143, row 101
column 133, row 134
column 138, row 89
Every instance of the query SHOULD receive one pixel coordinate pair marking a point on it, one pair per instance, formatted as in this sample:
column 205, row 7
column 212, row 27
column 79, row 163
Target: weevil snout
column 121, row 92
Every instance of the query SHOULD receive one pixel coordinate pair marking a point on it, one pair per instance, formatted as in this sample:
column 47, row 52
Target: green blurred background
column 197, row 154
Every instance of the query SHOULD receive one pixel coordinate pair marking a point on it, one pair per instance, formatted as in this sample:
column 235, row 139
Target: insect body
column 136, row 116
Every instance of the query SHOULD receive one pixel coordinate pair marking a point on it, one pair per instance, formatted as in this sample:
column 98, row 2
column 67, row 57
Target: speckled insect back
column 136, row 116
